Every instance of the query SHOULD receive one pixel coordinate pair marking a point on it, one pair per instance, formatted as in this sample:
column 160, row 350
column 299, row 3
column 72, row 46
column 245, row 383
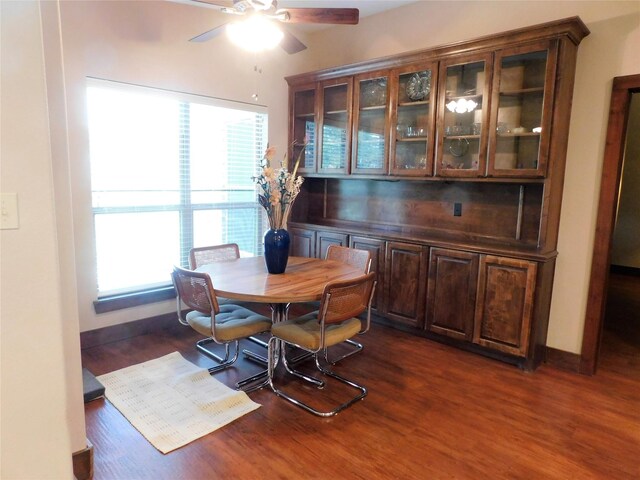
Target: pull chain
column 258, row 72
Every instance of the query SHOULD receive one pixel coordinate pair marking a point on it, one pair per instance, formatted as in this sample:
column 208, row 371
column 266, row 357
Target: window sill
column 128, row 300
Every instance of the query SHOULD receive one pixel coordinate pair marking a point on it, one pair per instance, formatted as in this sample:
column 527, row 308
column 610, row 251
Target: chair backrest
column 345, row 299
column 195, row 289
column 351, row 256
column 216, row 253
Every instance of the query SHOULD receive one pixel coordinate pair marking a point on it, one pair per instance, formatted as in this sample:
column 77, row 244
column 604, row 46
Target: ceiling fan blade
column 208, row 35
column 290, row 43
column 338, row 16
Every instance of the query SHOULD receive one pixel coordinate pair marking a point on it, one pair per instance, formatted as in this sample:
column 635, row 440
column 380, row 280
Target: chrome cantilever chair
column 362, row 260
column 223, row 324
column 199, row 256
column 335, row 322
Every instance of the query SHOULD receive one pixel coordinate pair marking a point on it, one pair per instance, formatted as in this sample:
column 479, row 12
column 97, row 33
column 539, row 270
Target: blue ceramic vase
column 276, row 250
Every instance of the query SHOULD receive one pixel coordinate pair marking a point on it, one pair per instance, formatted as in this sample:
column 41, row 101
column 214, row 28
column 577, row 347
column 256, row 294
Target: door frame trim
column 621, row 92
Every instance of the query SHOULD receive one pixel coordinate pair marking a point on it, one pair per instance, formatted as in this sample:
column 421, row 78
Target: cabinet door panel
column 324, row 239
column 376, row 250
column 523, row 91
column 371, row 123
column 335, row 128
column 414, row 99
column 505, row 304
column 303, row 242
column 451, row 293
column 463, row 115
column 405, row 280
column 302, row 125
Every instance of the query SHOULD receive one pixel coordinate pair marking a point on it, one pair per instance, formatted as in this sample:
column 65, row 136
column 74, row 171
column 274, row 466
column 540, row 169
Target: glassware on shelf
column 462, row 115
column 413, row 149
column 373, row 92
column 520, row 109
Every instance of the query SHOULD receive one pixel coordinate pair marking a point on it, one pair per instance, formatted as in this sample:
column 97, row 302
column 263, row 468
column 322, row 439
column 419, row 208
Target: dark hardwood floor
column 620, row 350
column 433, row 412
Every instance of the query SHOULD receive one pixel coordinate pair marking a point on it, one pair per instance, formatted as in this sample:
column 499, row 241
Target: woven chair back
column 357, row 258
column 216, row 253
column 195, row 289
column 346, row 299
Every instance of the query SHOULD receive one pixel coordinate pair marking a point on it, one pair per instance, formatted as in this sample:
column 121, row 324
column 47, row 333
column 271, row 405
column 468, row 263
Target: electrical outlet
column 457, row 209
column 9, row 211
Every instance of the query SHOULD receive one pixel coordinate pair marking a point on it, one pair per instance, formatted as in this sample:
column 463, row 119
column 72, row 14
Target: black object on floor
column 92, row 387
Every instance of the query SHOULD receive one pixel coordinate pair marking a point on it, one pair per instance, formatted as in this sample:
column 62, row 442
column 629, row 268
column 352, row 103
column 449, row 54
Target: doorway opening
column 620, row 107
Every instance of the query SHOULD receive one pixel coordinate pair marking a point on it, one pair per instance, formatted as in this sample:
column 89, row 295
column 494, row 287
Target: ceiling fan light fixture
column 255, row 34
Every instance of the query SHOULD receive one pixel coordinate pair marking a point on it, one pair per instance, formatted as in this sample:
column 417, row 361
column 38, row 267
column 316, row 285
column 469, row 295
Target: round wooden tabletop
column 247, row 279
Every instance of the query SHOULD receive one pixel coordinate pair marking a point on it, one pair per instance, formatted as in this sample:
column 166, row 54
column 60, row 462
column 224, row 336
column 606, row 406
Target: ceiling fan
column 261, row 10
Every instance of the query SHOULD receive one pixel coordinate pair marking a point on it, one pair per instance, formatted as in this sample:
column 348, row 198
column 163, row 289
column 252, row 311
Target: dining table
column 246, row 279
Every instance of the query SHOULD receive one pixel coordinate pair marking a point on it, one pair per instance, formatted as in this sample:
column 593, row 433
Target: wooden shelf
column 412, row 139
column 305, row 115
column 466, row 137
column 524, row 134
column 336, row 112
column 373, row 108
column 522, row 91
column 417, row 103
column 448, row 98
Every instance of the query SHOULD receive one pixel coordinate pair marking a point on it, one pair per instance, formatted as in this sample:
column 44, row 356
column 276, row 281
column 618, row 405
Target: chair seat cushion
column 232, row 322
column 305, row 331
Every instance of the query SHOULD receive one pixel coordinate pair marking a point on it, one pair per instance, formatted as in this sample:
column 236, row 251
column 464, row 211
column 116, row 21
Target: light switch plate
column 9, row 211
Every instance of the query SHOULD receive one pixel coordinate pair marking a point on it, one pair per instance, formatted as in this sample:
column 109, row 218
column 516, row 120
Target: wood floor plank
column 432, row 412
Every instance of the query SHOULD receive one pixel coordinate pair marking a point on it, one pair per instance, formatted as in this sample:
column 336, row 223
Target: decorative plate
column 419, row 86
column 458, row 147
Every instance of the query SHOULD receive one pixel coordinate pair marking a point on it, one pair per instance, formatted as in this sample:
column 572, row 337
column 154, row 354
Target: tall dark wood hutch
column 447, row 165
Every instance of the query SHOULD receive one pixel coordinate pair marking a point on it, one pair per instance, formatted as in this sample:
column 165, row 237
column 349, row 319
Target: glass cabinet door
column 303, row 129
column 521, row 111
column 335, row 140
column 370, row 135
column 463, row 117
column 412, row 136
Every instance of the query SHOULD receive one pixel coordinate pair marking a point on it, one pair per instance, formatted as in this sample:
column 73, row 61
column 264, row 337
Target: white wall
column 41, row 408
column 610, row 50
column 146, row 43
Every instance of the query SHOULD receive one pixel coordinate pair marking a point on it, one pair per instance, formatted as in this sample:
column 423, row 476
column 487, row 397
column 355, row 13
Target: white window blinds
column 169, row 171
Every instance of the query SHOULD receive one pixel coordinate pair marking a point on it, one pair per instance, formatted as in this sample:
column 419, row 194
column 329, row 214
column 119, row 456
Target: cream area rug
column 172, row 402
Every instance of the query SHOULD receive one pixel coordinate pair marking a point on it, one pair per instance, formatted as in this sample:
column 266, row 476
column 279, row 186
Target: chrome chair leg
column 200, row 345
column 303, row 405
column 258, row 341
column 296, row 373
column 358, row 348
column 223, row 362
column 247, row 382
column 255, row 357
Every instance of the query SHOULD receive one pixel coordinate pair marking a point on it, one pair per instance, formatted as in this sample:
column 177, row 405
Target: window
column 169, row 171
